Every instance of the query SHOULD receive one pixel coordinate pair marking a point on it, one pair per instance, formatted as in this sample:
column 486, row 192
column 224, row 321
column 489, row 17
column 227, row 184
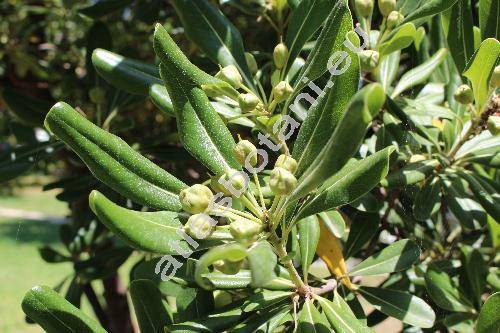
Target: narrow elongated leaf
column 102, row 8
column 152, row 314
column 420, row 73
column 364, row 226
column 344, row 141
column 459, row 33
column 159, row 96
column 341, row 316
column 214, row 34
column 410, row 174
column 460, row 322
column 489, row 18
column 55, row 314
column 263, row 262
column 479, row 69
column 304, row 22
column 350, row 183
column 444, row 291
column 29, row 110
column 403, row 38
column 400, row 305
column 428, row 8
column 484, row 193
column 428, row 200
column 243, row 279
column 310, row 320
column 396, row 257
column 489, row 319
column 475, row 271
column 217, row 322
column 126, row 74
column 193, row 303
column 309, row 232
column 388, row 69
column 471, row 215
column 114, row 162
column 264, row 299
column 202, row 132
column 334, row 221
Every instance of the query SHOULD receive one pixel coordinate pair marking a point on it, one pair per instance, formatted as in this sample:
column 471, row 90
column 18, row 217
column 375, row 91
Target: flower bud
column 251, row 63
column 368, row 60
column 243, row 229
column 231, row 75
column 417, row 158
column 386, row 6
column 233, row 182
column 195, row 199
column 222, row 298
column 495, row 78
column 248, row 102
column 282, row 181
column 97, row 95
column 394, row 19
column 364, row 8
column 286, row 162
column 228, row 267
column 282, row 91
column 464, row 95
column 200, row 226
column 243, row 150
column 494, row 125
column 280, row 55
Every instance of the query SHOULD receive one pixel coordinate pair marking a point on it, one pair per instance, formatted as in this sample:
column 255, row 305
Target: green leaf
column 471, row 214
column 262, row 322
column 309, row 233
column 388, row 69
column 489, row 18
column 129, row 75
column 334, row 221
column 410, row 174
column 484, row 193
column 460, row 322
column 419, row 74
column 444, row 291
column 264, row 299
column 152, row 314
column 202, row 131
column 214, row 34
column 341, row 316
column 102, row 8
column 489, row 318
column 459, row 32
column 363, row 227
column 114, row 162
column 427, row 200
column 192, row 303
column 310, row 320
column 400, row 305
column 403, row 38
column 216, row 322
column 231, row 252
column 330, row 40
column 159, row 96
column 479, row 69
column 55, row 314
column 475, row 270
column 243, row 279
column 263, row 262
column 428, row 8
column 29, row 110
column 349, row 184
column 305, row 20
column 344, row 141
column 396, row 257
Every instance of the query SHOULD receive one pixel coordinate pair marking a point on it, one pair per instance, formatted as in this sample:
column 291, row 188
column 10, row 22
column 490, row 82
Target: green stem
column 248, row 204
column 237, row 212
column 259, row 190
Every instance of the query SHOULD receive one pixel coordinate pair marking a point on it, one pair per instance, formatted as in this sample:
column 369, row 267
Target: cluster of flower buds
column 231, row 75
column 464, row 95
column 364, row 8
column 368, row 60
column 386, row 6
column 282, row 181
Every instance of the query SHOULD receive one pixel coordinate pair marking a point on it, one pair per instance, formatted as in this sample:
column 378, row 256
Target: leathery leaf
column 113, row 161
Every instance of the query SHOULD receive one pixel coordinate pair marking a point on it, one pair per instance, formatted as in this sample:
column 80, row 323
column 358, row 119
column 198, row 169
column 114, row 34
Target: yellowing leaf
column 330, row 250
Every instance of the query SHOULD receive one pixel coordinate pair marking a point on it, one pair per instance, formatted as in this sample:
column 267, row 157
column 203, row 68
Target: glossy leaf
column 152, row 315
column 114, row 162
column 214, row 34
column 410, row 174
column 306, row 19
column 479, row 69
column 444, row 291
column 427, row 200
column 420, row 73
column 460, row 322
column 471, row 215
column 217, row 322
column 264, row 299
column 193, row 303
column 310, row 320
column 428, row 8
column 396, row 257
column 309, row 232
column 409, row 309
column 29, row 110
column 243, row 279
column 341, row 316
column 489, row 319
column 55, row 314
column 387, row 70
column 126, row 74
column 401, row 39
column 262, row 322
column 363, row 227
column 484, row 193
column 102, row 8
column 344, row 141
column 489, row 17
column 262, row 261
column 334, row 221
column 350, row 183
column 475, row 270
